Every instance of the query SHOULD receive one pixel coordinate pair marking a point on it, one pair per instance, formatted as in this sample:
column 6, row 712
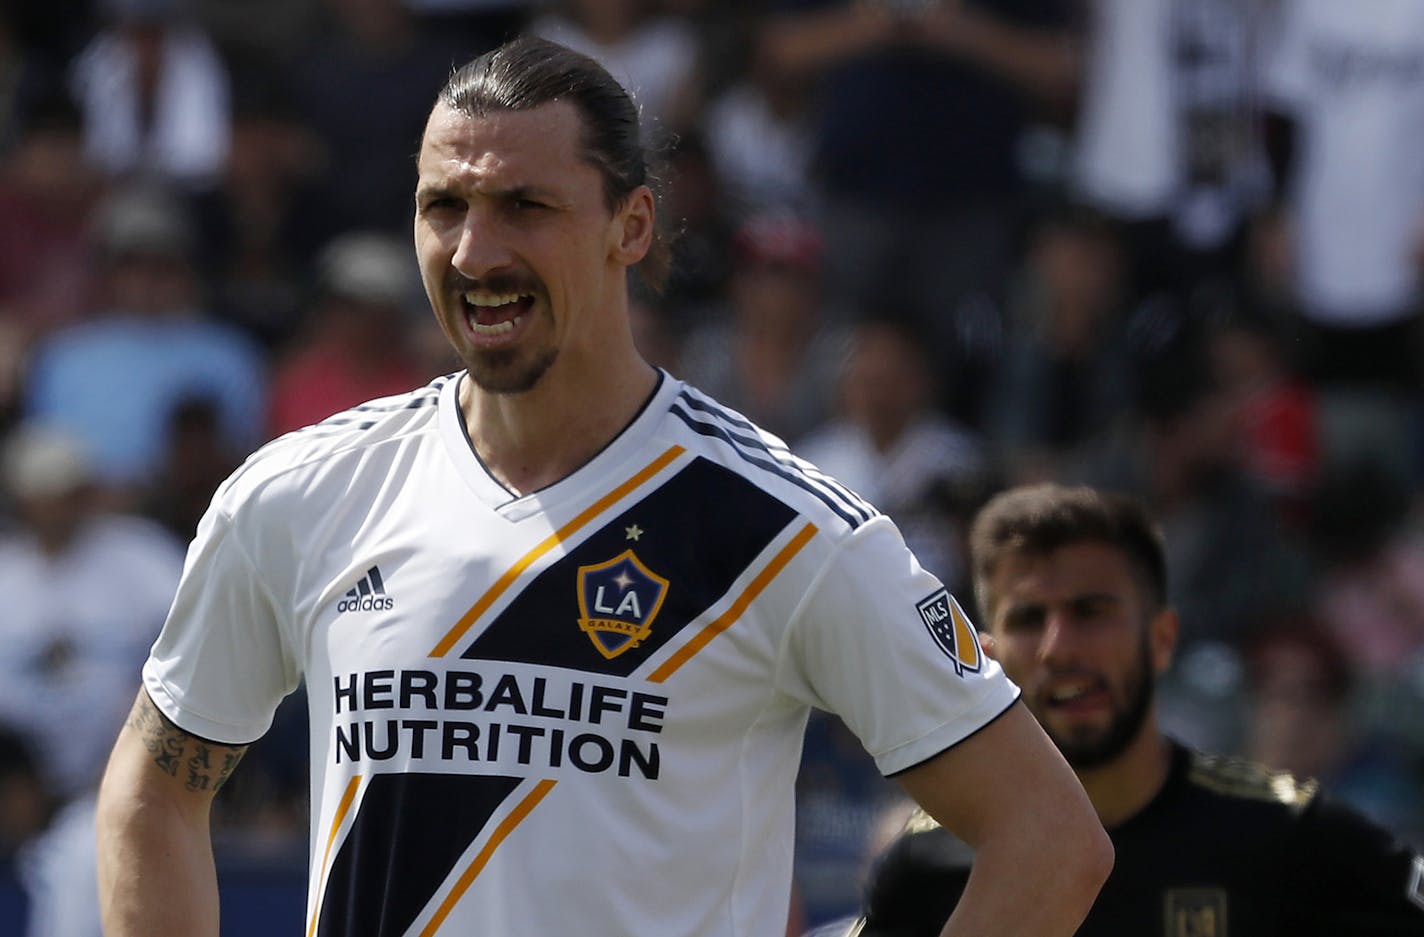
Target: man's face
column 1074, row 630
column 519, row 252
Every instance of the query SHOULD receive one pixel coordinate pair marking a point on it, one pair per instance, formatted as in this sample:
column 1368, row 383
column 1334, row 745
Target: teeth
column 1068, row 693
column 499, row 328
column 492, row 299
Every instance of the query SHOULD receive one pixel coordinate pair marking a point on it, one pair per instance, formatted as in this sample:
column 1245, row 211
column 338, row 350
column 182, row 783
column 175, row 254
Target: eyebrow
column 1098, row 596
column 430, row 191
column 1019, row 608
column 509, row 194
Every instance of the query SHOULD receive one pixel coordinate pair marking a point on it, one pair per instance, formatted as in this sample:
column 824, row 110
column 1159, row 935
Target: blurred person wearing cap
column 148, row 347
column 1072, row 587
column 770, row 353
column 86, row 591
column 360, row 343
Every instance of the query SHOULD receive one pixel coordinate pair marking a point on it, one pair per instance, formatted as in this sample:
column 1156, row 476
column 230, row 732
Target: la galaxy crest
column 618, row 601
column 951, row 630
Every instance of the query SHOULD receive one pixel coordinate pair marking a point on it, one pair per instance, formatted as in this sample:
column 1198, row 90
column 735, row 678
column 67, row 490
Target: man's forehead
column 546, row 125
column 1071, row 571
column 539, row 148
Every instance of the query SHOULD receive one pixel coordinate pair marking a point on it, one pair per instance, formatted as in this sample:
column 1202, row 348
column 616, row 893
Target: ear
column 631, row 233
column 1162, row 633
column 987, row 644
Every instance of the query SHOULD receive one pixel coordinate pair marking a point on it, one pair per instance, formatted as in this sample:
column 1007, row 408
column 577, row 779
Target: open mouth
column 1077, row 693
column 494, row 314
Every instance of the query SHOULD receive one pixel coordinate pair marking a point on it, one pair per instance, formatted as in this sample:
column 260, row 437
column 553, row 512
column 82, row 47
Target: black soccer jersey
column 1226, row 849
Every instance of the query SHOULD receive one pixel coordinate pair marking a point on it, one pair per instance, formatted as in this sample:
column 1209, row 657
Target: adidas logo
column 368, row 595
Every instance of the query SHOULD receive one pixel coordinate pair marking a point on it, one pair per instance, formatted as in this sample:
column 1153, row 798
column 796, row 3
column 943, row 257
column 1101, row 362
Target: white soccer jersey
column 1353, row 74
column 575, row 711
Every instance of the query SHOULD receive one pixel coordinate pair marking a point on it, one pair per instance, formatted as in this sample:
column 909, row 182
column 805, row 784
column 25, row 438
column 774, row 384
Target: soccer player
column 561, row 617
column 1072, row 584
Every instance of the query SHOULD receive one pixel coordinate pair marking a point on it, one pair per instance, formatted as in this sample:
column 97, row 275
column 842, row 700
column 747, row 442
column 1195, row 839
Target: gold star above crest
column 634, row 532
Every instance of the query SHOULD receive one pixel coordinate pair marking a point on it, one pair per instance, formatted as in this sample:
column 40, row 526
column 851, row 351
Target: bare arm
column 806, row 43
column 156, row 873
column 1040, row 853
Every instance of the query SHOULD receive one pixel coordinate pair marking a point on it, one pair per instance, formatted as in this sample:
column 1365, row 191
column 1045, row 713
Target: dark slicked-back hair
column 1039, row 519
column 528, row 72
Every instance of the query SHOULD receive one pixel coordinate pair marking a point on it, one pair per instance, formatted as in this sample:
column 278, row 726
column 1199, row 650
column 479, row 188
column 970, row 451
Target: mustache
column 499, row 283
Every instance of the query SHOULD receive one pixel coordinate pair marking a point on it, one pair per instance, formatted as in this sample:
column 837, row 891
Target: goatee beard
column 500, row 373
column 1094, row 752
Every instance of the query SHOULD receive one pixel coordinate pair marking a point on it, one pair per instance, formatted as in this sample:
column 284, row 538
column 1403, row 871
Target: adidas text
column 371, row 603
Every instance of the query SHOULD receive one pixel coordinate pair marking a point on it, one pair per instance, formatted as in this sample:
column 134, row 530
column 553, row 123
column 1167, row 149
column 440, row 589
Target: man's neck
column 531, row 440
column 1119, row 790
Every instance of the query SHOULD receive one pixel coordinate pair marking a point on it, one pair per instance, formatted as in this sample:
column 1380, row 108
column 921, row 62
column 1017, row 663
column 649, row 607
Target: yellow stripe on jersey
column 966, row 639
column 724, row 621
column 553, row 540
column 467, row 878
column 341, row 808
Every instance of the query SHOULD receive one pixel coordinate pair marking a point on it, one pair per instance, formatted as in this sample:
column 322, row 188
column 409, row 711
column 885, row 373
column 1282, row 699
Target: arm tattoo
column 204, row 765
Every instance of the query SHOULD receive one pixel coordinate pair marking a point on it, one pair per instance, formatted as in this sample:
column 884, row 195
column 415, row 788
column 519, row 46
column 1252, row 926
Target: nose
column 482, row 249
column 1056, row 644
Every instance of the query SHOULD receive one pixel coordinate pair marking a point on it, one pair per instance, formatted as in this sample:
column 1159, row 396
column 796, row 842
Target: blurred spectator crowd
column 1172, row 247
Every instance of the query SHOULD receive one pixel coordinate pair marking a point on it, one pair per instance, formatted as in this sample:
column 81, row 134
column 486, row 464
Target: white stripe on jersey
column 709, row 418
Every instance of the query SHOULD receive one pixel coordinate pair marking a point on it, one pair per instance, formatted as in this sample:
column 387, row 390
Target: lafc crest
column 1196, row 912
column 618, row 601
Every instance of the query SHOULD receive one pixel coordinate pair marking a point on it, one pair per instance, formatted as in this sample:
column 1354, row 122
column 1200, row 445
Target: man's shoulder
column 1341, row 871
column 725, row 437
column 1238, row 779
column 1287, row 816
column 305, row 456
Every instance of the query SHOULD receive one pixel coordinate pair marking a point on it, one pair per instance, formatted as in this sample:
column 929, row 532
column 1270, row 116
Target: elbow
column 1081, row 860
column 1092, row 862
column 1104, row 855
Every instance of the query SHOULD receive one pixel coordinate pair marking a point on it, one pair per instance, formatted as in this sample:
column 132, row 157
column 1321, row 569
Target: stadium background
column 939, row 247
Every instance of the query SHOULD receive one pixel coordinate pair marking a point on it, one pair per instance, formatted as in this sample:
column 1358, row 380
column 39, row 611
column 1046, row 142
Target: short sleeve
column 220, row 665
column 1353, row 876
column 881, row 643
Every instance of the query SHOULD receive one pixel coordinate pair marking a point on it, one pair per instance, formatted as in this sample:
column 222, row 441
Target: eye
column 1023, row 620
column 440, row 203
column 1092, row 608
column 527, row 204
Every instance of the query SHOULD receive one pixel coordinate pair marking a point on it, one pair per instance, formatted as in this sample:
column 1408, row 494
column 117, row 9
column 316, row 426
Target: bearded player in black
column 1072, row 584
